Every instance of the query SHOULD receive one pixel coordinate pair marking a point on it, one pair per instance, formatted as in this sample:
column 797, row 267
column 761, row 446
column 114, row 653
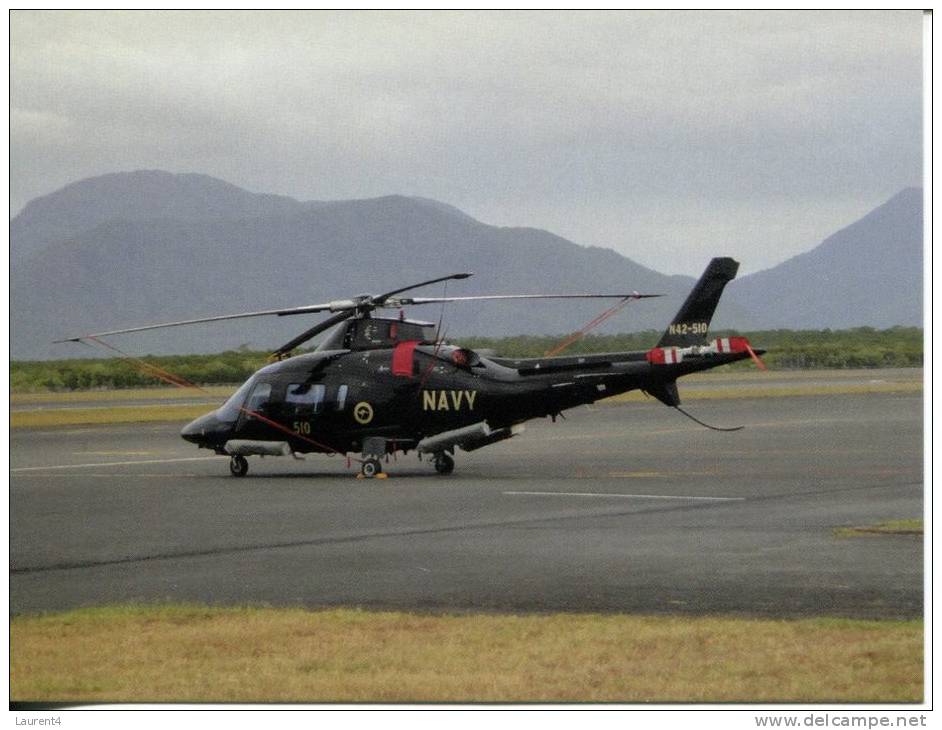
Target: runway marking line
column 637, row 474
column 112, row 463
column 113, row 453
column 626, row 496
column 111, row 475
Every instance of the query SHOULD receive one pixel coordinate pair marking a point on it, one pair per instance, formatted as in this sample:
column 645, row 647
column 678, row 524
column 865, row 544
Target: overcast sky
column 668, row 136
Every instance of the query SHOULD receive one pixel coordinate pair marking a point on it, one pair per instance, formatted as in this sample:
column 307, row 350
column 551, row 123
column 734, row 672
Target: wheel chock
column 382, row 475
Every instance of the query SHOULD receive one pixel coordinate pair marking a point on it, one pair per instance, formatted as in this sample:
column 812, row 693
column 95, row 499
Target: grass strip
column 99, row 416
column 117, row 394
column 192, row 653
column 49, row 417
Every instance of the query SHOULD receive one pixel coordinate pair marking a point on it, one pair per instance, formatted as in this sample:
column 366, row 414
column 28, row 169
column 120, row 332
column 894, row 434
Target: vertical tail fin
column 692, row 322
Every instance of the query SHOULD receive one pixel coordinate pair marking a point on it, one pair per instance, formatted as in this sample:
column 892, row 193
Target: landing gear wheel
column 238, row 466
column 444, row 464
column 371, row 467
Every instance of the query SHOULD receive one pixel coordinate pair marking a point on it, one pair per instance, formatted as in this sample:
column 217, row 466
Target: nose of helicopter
column 206, row 431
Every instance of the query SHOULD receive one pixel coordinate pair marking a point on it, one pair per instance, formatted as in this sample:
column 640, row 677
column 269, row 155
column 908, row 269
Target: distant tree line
column 88, row 374
column 861, row 347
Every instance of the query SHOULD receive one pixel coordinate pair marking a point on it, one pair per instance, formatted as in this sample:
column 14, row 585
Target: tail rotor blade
column 755, row 358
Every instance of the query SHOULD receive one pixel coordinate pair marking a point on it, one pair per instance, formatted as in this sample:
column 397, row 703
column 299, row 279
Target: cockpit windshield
column 229, row 411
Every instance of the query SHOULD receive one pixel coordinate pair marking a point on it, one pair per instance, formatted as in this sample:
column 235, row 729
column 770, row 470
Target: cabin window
column 341, row 398
column 305, row 399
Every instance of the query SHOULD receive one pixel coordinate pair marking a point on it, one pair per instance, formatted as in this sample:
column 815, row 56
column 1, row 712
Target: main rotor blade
column 267, row 312
column 381, row 299
column 312, row 332
column 436, row 300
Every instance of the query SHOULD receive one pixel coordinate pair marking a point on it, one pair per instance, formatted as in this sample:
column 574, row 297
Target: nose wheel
column 444, row 464
column 238, row 466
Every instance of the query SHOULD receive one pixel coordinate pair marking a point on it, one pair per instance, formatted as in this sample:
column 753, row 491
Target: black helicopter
column 379, row 385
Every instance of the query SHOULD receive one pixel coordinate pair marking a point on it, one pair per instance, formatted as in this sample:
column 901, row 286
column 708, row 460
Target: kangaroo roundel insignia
column 363, row 413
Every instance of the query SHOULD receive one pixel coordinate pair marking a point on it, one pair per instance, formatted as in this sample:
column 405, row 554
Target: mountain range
column 133, row 248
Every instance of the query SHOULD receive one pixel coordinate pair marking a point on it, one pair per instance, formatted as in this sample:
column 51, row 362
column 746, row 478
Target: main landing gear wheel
column 371, row 467
column 238, row 466
column 444, row 464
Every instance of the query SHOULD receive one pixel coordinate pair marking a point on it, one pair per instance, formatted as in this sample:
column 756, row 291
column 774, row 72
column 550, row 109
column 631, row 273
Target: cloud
column 581, row 122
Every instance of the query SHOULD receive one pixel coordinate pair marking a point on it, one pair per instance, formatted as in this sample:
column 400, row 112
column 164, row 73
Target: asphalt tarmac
column 628, row 508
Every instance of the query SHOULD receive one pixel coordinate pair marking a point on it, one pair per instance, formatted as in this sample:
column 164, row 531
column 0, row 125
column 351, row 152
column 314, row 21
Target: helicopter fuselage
column 377, row 385
column 335, row 401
